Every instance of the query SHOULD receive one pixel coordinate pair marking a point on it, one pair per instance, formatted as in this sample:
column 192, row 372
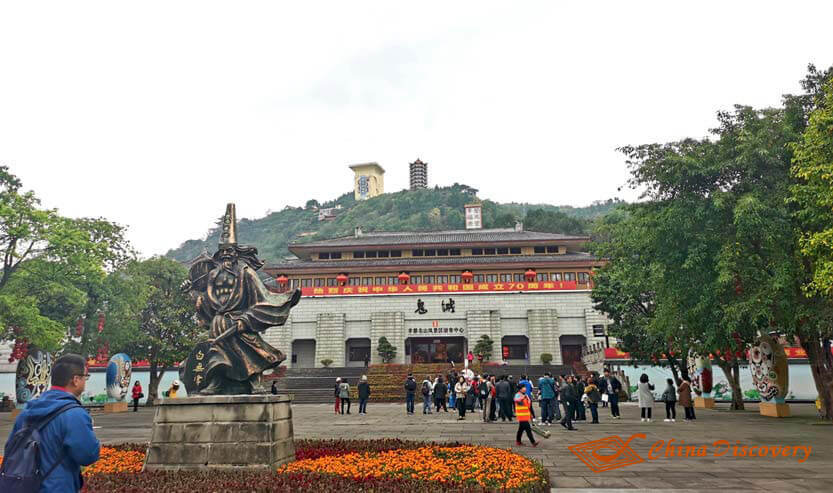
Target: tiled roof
column 439, row 237
column 522, row 260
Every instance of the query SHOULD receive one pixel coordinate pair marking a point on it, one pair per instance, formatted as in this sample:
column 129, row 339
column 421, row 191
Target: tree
column 151, row 317
column 311, row 204
column 49, row 264
column 386, row 351
column 813, row 195
column 549, row 221
column 484, row 346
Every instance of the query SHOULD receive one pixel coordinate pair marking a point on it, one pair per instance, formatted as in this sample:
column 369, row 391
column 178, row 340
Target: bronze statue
column 234, row 303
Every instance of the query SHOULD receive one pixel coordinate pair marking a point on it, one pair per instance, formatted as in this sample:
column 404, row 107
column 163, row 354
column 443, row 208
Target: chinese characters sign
column 484, row 287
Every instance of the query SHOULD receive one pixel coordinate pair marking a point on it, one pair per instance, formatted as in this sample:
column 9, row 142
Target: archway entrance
column 571, row 347
column 436, row 349
column 357, row 351
column 515, row 350
column 303, row 353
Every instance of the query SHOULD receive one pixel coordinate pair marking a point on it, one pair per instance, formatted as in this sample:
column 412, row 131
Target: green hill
column 420, row 210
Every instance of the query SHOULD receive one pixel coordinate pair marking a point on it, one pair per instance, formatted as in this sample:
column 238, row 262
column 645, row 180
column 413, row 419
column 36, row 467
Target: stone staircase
column 315, row 385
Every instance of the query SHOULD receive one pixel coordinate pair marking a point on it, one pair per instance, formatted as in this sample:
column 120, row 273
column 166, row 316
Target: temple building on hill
column 434, row 294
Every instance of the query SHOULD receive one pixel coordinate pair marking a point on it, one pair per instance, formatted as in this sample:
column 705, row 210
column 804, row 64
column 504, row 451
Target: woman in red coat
column 137, row 394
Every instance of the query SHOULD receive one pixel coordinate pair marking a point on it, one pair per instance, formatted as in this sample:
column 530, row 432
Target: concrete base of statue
column 243, row 432
column 115, row 407
column 775, row 409
column 704, row 402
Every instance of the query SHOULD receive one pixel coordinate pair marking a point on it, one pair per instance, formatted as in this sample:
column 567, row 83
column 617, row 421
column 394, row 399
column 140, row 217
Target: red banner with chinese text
column 483, row 287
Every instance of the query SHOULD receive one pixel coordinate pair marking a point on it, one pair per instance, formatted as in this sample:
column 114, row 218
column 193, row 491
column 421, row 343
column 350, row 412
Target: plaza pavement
column 567, row 472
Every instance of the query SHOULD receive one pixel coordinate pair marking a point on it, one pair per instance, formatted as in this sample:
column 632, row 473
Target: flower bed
column 343, row 466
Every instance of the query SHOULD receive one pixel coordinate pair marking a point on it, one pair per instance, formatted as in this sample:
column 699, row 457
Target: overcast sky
column 155, row 114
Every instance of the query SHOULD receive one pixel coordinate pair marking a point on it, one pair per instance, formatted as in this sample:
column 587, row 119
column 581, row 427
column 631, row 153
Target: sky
column 156, row 114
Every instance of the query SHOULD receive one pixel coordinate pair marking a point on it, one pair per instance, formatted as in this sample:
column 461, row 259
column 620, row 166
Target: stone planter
column 247, row 432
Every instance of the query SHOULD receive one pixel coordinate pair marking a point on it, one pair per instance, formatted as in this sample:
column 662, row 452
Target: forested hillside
column 420, row 210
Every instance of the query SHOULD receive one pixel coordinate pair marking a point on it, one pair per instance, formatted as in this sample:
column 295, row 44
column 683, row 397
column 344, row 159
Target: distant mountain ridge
column 436, row 208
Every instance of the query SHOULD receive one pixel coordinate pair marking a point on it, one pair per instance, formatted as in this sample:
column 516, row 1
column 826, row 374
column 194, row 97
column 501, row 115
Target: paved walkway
column 709, row 473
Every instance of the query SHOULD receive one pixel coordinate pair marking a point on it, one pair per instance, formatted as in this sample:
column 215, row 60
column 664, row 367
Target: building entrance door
column 570, row 353
column 437, row 350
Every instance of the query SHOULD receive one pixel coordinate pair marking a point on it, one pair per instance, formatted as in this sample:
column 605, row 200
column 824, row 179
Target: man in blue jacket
column 69, row 437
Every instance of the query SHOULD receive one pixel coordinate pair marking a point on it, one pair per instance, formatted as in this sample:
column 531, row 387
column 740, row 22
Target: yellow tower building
column 369, row 180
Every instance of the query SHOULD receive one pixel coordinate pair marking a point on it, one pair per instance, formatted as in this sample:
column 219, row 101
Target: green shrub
column 326, row 362
column 546, row 358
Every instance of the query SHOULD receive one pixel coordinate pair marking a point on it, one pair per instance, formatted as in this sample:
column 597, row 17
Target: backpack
column 426, row 389
column 410, row 385
column 21, row 471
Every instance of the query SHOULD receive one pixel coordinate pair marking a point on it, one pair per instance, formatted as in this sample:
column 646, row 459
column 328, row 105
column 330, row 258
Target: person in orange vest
column 522, row 412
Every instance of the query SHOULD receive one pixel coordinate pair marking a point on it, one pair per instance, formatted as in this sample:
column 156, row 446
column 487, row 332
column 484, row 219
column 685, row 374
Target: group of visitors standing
column 669, row 396
column 342, row 395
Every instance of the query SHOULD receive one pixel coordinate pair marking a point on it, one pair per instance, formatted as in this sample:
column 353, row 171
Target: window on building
column 569, row 276
column 331, row 281
column 416, row 280
column 355, row 281
column 335, row 255
column 319, row 282
column 454, row 252
column 306, row 283
column 477, row 251
column 583, row 277
column 324, row 256
column 515, row 250
column 393, row 280
column 489, row 251
column 552, row 249
column 555, row 276
column 430, row 252
column 479, row 278
column 427, row 279
column 542, row 276
column 518, row 277
column 294, row 283
column 358, row 254
column 503, row 251
column 384, row 253
column 380, row 281
column 367, row 281
column 540, row 249
column 516, row 351
column 506, row 278
column 416, row 253
column 598, row 330
column 454, row 279
column 370, row 253
column 442, row 279
column 491, row 277
column 396, row 253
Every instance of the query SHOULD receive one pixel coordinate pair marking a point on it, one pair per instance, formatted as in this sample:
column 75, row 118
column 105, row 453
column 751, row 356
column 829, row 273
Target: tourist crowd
column 563, row 398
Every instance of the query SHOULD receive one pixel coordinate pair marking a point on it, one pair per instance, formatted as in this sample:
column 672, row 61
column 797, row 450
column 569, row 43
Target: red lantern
column 342, row 279
column 467, row 276
column 505, row 352
column 100, row 322
column 282, row 280
column 404, row 278
column 530, row 275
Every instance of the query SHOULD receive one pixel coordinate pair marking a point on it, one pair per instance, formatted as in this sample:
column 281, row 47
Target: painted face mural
column 33, row 374
column 768, row 364
column 119, row 370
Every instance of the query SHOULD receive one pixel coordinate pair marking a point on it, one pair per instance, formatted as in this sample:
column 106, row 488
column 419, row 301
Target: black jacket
column 503, row 390
column 440, row 390
column 567, row 393
column 364, row 390
column 410, row 385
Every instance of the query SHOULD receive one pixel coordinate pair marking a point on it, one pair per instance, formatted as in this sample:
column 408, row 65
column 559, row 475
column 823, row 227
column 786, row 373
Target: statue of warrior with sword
column 234, row 303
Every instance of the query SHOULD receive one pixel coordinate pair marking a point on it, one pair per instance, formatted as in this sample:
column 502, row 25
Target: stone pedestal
column 775, row 409
column 115, row 407
column 704, row 402
column 246, row 432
